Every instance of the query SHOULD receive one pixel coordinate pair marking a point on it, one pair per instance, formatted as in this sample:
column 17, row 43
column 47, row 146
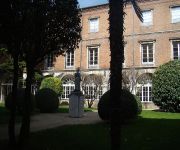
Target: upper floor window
column 93, row 57
column 147, row 18
column 69, row 60
column 94, row 25
column 176, row 49
column 147, row 52
column 175, row 14
column 49, row 61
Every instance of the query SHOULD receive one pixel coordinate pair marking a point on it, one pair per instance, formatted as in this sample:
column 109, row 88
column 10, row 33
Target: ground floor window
column 6, row 88
column 67, row 90
column 145, row 93
column 92, row 92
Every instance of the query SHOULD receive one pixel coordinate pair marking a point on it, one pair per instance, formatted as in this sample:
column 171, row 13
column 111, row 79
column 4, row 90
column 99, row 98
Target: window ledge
column 69, row 68
column 93, row 67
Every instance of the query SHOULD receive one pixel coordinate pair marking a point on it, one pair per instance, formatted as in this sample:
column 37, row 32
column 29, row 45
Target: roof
column 91, row 3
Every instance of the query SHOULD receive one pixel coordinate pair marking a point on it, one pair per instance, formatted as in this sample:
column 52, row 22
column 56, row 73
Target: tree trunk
column 11, row 125
column 116, row 19
column 25, row 127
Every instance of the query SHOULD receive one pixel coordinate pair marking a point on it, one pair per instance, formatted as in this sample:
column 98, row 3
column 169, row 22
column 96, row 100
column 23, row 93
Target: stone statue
column 76, row 98
column 77, row 80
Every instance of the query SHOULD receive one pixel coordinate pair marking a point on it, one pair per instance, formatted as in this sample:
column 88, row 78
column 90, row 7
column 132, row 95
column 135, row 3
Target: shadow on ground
column 142, row 134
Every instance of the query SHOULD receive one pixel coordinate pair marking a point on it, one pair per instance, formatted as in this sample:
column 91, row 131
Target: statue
column 77, row 80
column 76, row 98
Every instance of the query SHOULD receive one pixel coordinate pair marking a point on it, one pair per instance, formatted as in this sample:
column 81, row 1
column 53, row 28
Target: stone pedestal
column 76, row 104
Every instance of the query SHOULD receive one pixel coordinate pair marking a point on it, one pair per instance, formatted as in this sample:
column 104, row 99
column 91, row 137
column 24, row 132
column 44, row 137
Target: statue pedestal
column 76, row 104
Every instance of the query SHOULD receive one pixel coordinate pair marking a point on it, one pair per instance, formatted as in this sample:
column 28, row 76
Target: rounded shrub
column 53, row 83
column 166, row 87
column 139, row 104
column 47, row 100
column 103, row 106
column 128, row 108
column 20, row 101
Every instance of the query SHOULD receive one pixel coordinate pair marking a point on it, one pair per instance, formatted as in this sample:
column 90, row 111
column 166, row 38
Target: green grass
column 65, row 109
column 77, row 137
column 4, row 114
column 159, row 115
column 151, row 131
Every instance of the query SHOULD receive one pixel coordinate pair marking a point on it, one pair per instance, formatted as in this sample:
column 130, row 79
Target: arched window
column 144, row 87
column 68, row 86
column 92, row 86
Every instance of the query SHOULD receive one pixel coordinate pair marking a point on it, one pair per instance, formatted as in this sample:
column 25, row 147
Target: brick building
column 147, row 45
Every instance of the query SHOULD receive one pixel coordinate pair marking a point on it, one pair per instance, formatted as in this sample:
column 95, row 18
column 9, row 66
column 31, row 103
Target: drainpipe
column 133, row 57
column 81, row 43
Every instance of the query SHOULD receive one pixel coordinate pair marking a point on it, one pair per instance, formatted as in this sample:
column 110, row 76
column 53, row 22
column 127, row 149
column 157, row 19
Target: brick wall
column 160, row 32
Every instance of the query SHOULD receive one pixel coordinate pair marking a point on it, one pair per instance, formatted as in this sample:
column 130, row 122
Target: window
column 147, row 18
column 93, row 57
column 176, row 49
column 67, row 89
column 147, row 52
column 68, row 86
column 49, row 61
column 94, row 25
column 92, row 92
column 175, row 14
column 145, row 93
column 69, row 60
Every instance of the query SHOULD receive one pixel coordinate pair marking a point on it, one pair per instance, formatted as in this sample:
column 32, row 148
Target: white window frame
column 93, row 66
column 175, row 14
column 147, row 21
column 93, row 25
column 48, row 63
column 90, row 91
column 173, row 49
column 67, row 89
column 148, row 96
column 148, row 62
column 71, row 59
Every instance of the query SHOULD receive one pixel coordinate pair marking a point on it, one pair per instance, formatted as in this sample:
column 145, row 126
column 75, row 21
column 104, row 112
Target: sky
column 87, row 3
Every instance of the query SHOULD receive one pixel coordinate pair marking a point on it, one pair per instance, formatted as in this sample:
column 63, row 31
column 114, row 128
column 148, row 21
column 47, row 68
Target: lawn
column 151, row 131
column 4, row 114
column 65, row 109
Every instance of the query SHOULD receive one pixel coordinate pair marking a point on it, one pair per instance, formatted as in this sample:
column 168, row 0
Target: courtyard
column 152, row 130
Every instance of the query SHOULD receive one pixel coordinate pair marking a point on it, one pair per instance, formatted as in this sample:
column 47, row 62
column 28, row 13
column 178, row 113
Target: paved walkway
column 47, row 121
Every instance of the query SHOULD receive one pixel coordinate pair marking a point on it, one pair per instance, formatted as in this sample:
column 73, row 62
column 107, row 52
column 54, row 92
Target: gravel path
column 47, row 121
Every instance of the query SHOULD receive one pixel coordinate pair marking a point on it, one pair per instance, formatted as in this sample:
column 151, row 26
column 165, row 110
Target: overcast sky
column 87, row 3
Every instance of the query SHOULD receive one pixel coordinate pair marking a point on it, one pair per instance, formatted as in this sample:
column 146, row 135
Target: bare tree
column 129, row 79
column 91, row 86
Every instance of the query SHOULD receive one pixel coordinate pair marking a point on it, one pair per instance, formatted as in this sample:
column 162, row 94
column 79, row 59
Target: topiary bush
column 47, row 100
column 20, row 101
column 53, row 83
column 166, row 86
column 139, row 104
column 129, row 106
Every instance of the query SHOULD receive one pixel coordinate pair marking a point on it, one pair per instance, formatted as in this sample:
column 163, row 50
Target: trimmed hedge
column 20, row 101
column 166, row 86
column 53, row 83
column 139, row 104
column 47, row 100
column 129, row 106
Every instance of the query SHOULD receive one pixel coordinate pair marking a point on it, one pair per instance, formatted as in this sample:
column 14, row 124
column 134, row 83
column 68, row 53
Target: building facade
column 148, row 44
